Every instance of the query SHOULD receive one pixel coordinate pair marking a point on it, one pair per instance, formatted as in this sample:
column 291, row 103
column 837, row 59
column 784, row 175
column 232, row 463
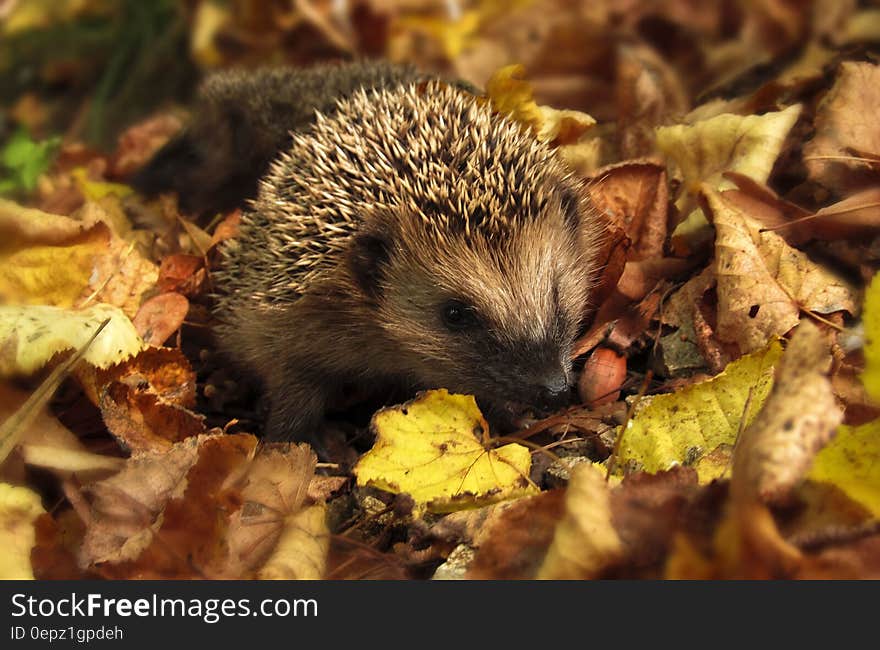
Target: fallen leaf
column 797, row 419
column 871, row 320
column 585, row 541
column 851, row 461
column 683, row 426
column 30, row 336
column 763, row 283
column 846, row 121
column 278, row 530
column 511, row 95
column 301, row 553
column 160, row 316
column 514, row 543
column 428, row 449
column 19, row 508
column 705, row 150
column 634, row 196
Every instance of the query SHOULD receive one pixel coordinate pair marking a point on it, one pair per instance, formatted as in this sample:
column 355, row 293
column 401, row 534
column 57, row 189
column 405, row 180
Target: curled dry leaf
column 515, row 542
column 797, row 419
column 145, row 401
column 182, row 273
column 585, row 542
column 19, row 508
column 634, row 196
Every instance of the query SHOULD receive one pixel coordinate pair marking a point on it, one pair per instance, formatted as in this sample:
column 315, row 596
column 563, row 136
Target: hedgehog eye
column 458, row 316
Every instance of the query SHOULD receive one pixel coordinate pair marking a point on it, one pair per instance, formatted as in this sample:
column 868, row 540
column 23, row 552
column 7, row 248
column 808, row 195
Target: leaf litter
column 726, row 424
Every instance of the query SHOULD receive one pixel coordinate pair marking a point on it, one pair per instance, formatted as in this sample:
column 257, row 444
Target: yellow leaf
column 851, row 461
column 19, row 507
column 705, row 150
column 48, row 259
column 512, row 95
column 681, row 427
column 51, row 275
column 585, row 541
column 30, row 336
column 428, row 449
column 210, row 18
column 453, row 35
column 301, row 553
column 97, row 190
column 871, row 320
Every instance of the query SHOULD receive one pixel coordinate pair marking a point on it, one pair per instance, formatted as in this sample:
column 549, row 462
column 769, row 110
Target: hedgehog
column 243, row 119
column 409, row 237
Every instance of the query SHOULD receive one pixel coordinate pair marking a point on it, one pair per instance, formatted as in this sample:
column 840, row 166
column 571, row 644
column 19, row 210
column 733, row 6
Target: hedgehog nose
column 554, row 391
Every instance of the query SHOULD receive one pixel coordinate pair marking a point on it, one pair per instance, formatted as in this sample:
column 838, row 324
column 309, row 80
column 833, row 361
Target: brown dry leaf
column 585, row 541
column 635, row 197
column 763, row 283
column 227, row 228
column 798, row 418
column 142, row 422
column 166, row 514
column 277, row 528
column 847, row 122
column 160, row 316
column 136, row 145
column 182, row 273
column 165, row 372
column 58, row 539
column 48, row 444
column 513, row 544
column 145, row 401
column 692, row 309
column 771, row 458
column 648, row 91
column 766, row 207
column 126, row 508
column 213, row 507
column 855, row 217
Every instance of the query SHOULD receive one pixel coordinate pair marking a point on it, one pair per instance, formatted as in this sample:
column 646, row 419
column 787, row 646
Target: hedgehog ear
column 367, row 258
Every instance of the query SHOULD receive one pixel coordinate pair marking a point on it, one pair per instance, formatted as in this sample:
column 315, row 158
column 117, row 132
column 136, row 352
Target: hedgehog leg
column 296, row 408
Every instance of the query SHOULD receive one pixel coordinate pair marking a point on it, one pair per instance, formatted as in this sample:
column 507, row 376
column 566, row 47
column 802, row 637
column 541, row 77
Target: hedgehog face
column 490, row 314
